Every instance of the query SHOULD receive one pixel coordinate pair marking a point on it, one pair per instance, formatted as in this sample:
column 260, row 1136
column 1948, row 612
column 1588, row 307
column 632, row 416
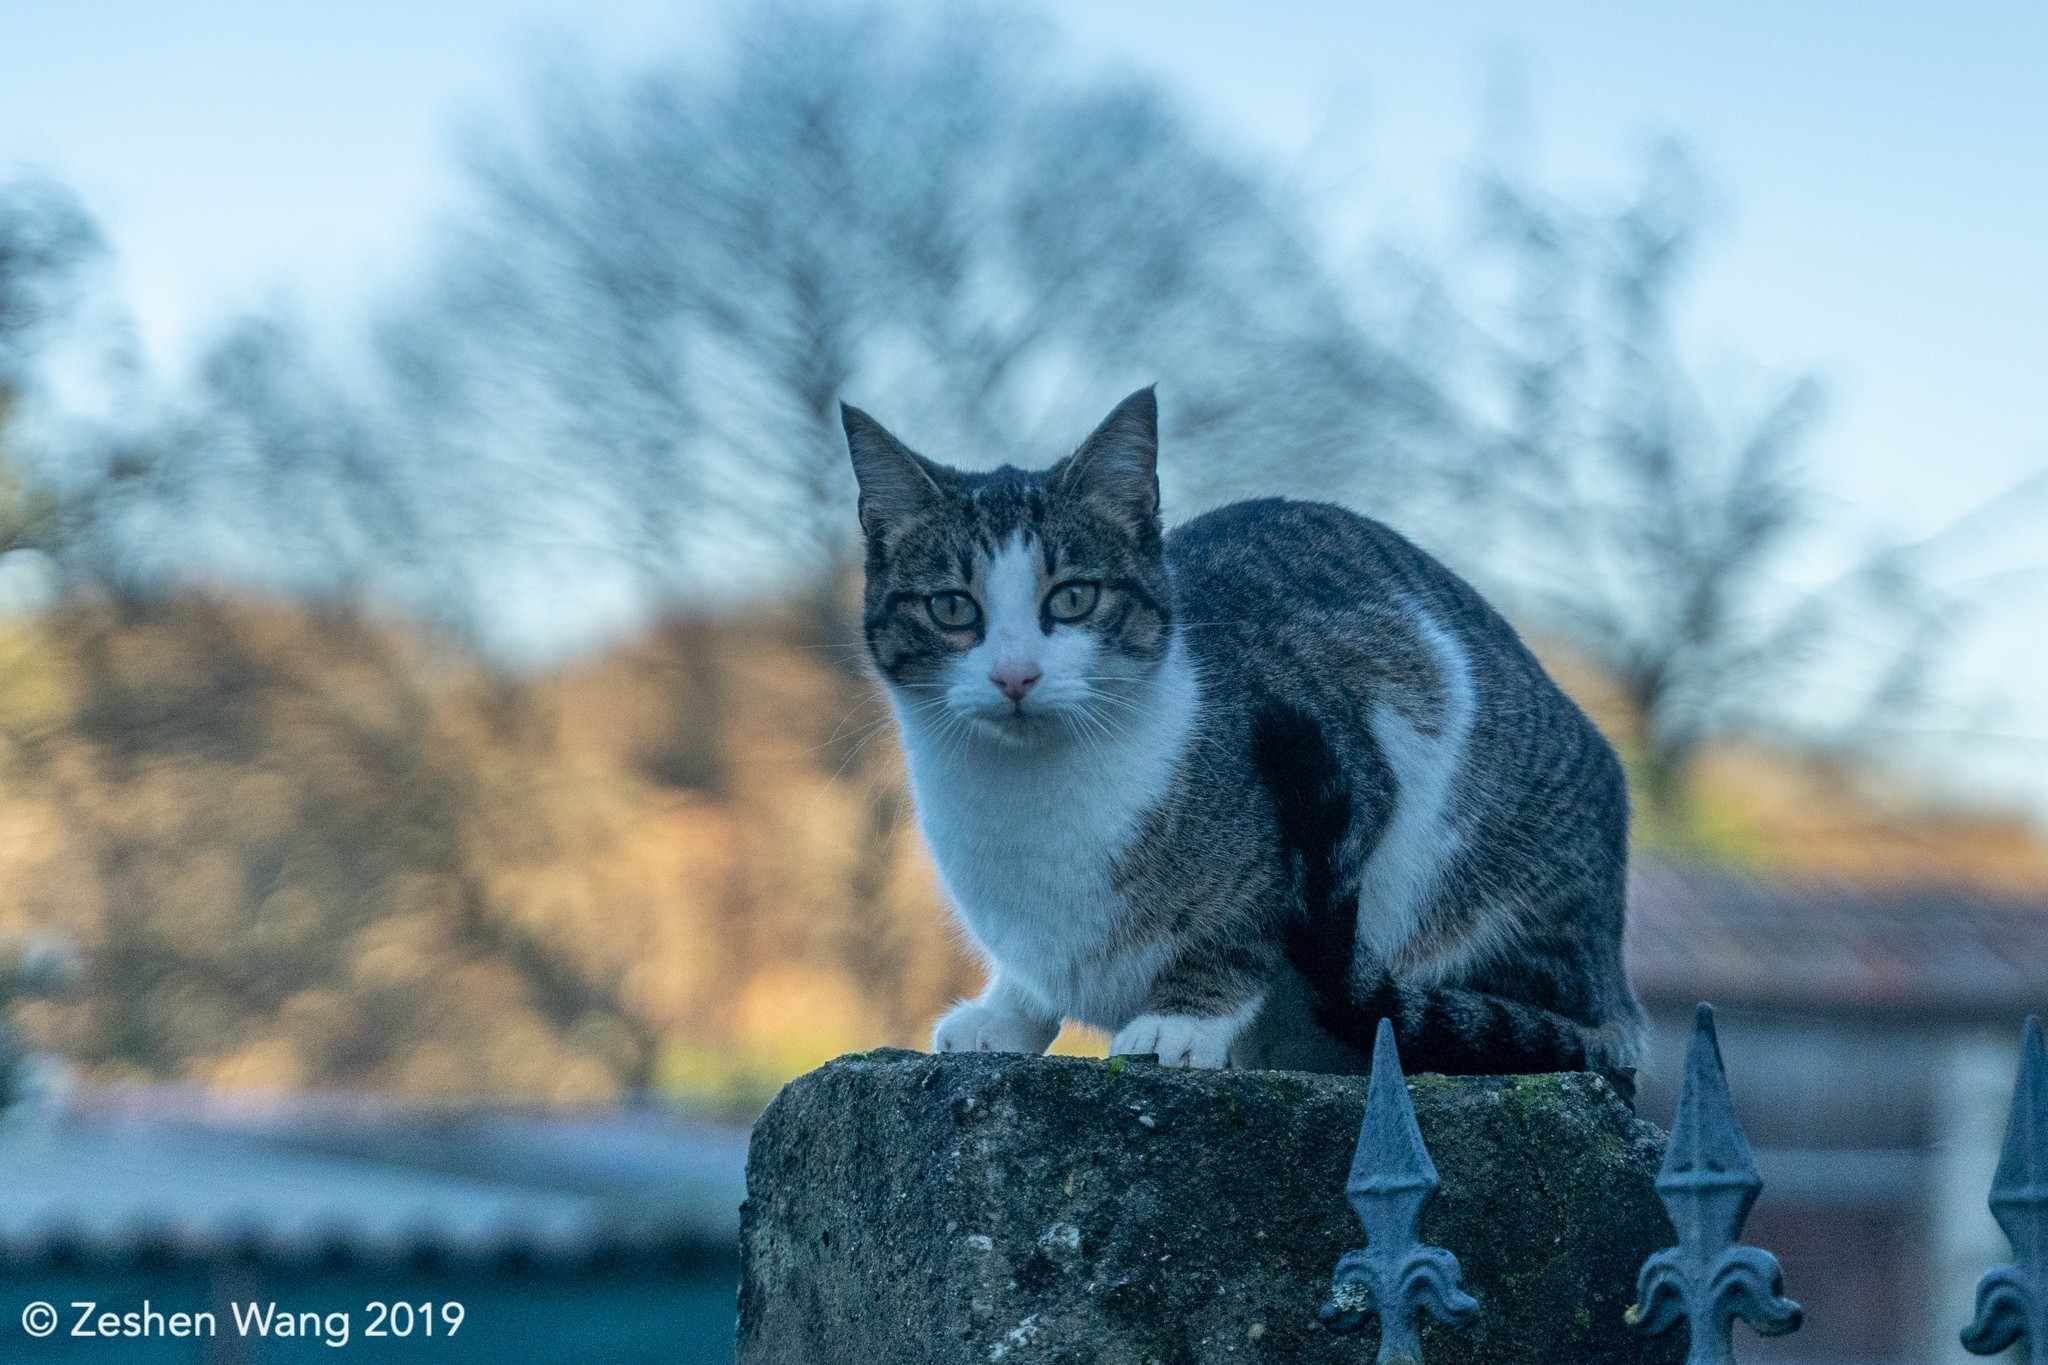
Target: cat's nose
column 1014, row 680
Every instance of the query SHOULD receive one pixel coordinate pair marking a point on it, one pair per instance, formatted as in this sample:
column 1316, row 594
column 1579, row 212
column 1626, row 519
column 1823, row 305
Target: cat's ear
column 1119, row 462
column 895, row 482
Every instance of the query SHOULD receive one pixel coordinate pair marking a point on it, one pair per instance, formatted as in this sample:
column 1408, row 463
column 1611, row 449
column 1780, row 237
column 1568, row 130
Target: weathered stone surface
column 904, row 1208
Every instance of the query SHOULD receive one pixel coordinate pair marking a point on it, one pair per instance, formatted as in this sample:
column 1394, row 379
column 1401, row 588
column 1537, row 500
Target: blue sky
column 1883, row 171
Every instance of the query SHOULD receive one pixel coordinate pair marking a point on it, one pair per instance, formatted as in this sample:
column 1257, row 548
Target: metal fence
column 1708, row 1183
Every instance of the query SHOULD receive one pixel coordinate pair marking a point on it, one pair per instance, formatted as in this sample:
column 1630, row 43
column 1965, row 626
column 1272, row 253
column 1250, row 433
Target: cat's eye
column 1072, row 601
column 954, row 610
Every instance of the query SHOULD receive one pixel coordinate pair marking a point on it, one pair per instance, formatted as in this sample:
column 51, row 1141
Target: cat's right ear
column 895, row 482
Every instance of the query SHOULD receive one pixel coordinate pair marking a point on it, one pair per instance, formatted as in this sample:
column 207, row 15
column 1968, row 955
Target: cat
column 1233, row 794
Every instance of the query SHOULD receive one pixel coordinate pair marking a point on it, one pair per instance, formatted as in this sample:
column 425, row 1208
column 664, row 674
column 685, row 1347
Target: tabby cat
column 1234, row 793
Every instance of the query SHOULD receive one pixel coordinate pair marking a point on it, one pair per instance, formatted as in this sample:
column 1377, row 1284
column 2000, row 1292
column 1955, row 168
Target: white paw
column 971, row 1026
column 1181, row 1039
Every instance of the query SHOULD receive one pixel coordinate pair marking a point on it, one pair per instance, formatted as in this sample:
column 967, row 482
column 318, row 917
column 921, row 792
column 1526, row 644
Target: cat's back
column 1275, row 567
column 1319, row 631
column 1320, row 617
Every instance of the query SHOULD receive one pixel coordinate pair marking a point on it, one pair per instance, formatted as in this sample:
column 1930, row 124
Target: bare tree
column 46, row 240
column 1666, row 539
column 640, row 327
column 659, row 294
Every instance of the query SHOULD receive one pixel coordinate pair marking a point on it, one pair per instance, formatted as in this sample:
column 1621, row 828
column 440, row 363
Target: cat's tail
column 1461, row 1032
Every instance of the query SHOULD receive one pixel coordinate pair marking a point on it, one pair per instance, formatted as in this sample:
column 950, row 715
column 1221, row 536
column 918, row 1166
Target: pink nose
column 1014, row 680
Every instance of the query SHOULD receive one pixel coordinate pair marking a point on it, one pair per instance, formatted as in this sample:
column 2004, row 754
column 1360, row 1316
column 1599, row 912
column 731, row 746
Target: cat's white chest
column 1030, row 869
column 1026, row 840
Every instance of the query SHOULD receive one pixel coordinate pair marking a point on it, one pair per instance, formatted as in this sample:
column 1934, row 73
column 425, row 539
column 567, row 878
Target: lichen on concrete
column 908, row 1208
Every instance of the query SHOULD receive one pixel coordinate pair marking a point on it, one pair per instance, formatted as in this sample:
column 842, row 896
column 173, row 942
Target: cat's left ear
column 1119, row 462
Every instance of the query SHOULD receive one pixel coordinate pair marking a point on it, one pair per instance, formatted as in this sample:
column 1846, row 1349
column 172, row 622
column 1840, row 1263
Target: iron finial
column 1707, row 1184
column 1392, row 1178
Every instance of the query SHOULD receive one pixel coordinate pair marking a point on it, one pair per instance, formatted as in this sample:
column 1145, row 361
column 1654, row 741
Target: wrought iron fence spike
column 1707, row 1184
column 1706, row 1138
column 1392, row 1179
column 2012, row 1300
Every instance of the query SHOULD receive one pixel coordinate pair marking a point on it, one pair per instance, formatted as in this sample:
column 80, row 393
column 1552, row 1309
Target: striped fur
column 1285, row 776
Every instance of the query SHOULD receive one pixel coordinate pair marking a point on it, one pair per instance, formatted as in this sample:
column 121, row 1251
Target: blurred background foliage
column 304, row 846
column 474, row 708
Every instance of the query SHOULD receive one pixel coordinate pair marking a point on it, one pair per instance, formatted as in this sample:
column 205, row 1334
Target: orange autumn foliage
column 309, row 847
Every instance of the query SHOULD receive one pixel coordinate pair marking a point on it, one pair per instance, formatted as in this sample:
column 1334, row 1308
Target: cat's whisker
column 840, row 728
column 860, row 744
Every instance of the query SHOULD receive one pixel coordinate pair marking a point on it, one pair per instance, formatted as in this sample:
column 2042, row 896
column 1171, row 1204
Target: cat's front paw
column 1181, row 1039
column 971, row 1026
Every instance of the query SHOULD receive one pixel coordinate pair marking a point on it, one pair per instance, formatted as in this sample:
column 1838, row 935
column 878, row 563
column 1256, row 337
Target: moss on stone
column 949, row 1186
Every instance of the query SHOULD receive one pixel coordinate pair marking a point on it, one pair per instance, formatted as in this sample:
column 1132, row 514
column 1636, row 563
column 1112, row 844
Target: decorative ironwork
column 1707, row 1184
column 2012, row 1300
column 1392, row 1179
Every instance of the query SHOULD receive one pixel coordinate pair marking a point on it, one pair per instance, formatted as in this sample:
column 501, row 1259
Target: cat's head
column 1014, row 605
